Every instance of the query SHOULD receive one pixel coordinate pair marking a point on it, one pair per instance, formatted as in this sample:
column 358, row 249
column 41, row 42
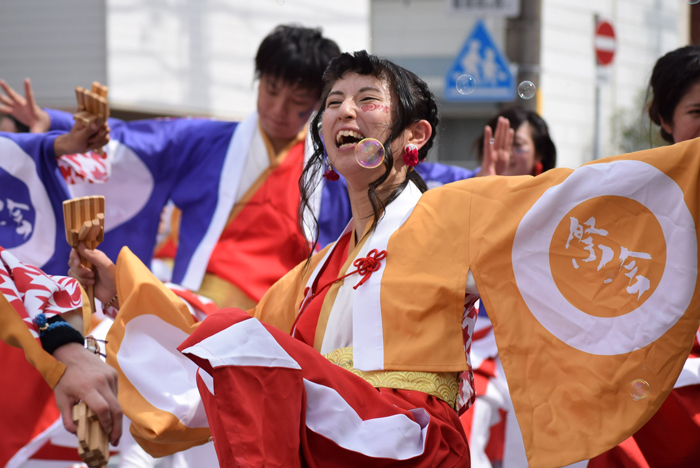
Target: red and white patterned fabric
column 323, row 414
column 87, row 167
column 200, row 307
column 31, row 292
column 466, row 383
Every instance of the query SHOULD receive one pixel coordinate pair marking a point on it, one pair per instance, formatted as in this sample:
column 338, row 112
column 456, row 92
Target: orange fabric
column 558, row 392
column 159, row 432
column 14, row 332
column 263, row 241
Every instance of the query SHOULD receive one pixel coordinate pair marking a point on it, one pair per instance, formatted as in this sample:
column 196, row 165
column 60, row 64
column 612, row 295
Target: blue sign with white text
column 480, row 72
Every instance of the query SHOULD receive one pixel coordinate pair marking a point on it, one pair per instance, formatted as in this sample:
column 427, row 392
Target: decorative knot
column 368, row 265
column 41, row 322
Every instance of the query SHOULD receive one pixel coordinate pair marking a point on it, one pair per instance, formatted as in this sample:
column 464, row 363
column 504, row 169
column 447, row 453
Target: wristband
column 56, row 332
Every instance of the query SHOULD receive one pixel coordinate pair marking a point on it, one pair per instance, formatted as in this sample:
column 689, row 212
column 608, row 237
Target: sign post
column 604, row 44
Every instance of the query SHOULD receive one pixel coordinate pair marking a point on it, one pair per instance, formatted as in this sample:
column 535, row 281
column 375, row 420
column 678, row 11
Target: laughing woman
column 393, row 406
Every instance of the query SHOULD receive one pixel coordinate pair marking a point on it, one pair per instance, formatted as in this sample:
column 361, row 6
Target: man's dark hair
column 296, row 55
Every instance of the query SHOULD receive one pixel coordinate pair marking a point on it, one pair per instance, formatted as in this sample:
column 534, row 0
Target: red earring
column 538, row 168
column 410, row 155
column 330, row 174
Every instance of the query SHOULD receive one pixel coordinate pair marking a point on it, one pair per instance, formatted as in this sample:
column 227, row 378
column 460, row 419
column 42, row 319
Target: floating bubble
column 369, row 153
column 492, row 141
column 639, row 388
column 466, row 84
column 692, row 2
column 526, row 89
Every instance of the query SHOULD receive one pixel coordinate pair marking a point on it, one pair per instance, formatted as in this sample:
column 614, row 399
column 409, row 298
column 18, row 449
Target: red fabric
column 196, row 301
column 264, row 241
column 308, row 320
column 625, row 455
column 497, row 438
column 257, row 416
column 48, row 451
column 167, row 250
column 671, row 438
column 27, row 406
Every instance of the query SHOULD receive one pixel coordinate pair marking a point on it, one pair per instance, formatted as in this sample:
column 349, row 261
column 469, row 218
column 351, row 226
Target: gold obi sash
column 442, row 385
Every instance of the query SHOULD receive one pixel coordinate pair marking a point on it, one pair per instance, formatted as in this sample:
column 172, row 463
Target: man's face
column 284, row 108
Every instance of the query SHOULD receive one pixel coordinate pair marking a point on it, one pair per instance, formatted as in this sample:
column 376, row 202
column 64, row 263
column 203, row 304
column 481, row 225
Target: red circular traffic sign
column 604, row 43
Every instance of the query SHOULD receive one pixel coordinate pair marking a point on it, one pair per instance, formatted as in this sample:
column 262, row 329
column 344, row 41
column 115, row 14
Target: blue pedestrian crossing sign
column 481, row 59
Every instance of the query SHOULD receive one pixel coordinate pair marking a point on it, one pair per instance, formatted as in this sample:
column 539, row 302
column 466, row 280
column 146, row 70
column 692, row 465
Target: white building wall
column 197, row 56
column 645, row 30
column 58, row 44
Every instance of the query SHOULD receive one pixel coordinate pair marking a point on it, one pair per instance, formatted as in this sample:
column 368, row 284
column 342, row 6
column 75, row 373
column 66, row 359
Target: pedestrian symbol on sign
column 481, row 58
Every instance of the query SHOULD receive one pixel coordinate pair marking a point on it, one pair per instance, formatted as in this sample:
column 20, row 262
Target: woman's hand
column 81, row 139
column 497, row 148
column 24, row 109
column 104, row 277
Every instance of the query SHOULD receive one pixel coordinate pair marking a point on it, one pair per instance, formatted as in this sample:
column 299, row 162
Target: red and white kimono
column 323, row 395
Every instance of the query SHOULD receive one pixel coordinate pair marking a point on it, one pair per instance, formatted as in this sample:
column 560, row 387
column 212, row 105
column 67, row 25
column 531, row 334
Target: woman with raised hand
column 516, row 141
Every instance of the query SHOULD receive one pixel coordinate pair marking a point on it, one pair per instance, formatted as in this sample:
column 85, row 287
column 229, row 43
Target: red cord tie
column 368, row 265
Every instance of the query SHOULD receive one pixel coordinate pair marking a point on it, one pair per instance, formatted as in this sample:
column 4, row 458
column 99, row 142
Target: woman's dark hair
column 295, row 54
column 673, row 75
column 544, row 146
column 414, row 102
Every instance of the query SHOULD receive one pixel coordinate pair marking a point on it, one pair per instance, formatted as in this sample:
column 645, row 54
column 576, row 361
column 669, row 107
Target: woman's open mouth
column 348, row 138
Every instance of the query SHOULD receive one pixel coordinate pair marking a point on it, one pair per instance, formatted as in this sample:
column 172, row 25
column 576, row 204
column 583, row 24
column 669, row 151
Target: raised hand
column 82, row 138
column 104, row 280
column 497, row 148
column 24, row 108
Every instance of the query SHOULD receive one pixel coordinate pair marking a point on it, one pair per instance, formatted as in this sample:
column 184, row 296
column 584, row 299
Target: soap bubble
column 692, row 2
column 527, row 89
column 492, row 141
column 369, row 153
column 466, row 84
column 639, row 389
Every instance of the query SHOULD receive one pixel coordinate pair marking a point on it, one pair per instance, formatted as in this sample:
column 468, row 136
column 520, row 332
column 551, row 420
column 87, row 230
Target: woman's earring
column 330, row 174
column 538, row 168
column 410, row 156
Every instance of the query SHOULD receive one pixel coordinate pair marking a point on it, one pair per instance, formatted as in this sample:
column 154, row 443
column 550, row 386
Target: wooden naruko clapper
column 85, row 222
column 93, row 106
column 93, row 443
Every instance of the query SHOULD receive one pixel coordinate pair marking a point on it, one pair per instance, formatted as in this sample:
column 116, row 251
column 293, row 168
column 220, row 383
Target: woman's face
column 686, row 116
column 357, row 107
column 523, row 157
